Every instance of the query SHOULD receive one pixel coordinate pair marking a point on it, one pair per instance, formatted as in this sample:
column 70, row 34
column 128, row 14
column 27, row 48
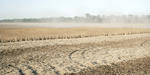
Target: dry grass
column 31, row 34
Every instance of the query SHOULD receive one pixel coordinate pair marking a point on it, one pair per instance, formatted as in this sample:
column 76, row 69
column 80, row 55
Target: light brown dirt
column 73, row 56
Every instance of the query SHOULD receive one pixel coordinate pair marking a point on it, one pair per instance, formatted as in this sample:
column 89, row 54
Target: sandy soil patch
column 71, row 56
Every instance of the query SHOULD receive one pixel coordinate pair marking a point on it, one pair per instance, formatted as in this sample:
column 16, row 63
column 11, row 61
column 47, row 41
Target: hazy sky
column 55, row 8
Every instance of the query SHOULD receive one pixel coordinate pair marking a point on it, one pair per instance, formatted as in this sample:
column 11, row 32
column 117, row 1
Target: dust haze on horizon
column 10, row 9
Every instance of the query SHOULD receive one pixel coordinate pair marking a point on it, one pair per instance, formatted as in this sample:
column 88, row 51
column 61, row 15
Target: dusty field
column 33, row 34
column 70, row 25
column 125, row 53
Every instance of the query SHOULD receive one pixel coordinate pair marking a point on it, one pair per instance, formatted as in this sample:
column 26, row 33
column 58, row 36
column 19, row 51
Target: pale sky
column 56, row 8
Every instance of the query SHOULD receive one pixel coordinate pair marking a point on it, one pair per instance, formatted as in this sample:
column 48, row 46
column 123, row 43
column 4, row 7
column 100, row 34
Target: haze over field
column 133, row 13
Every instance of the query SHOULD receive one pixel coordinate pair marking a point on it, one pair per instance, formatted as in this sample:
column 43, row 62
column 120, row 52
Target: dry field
column 32, row 34
column 74, row 51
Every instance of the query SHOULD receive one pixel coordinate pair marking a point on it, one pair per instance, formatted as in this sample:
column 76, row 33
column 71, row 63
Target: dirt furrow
column 19, row 70
column 63, row 57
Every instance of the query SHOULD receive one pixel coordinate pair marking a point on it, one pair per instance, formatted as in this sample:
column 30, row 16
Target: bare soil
column 96, row 55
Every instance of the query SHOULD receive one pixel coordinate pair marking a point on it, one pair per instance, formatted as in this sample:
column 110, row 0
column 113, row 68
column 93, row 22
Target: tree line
column 88, row 18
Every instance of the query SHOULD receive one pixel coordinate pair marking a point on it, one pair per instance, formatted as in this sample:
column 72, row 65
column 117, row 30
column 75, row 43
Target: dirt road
column 62, row 56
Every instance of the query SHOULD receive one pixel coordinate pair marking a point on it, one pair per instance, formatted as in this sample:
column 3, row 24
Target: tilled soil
column 75, row 56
